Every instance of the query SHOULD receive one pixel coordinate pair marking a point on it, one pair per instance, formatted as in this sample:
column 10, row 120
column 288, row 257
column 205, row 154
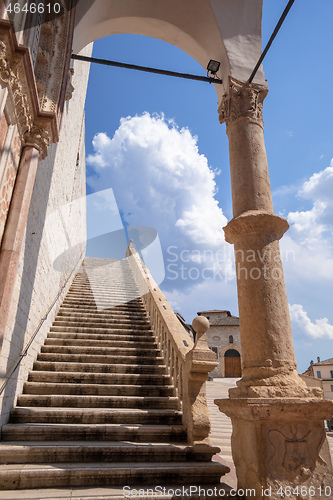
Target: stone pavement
column 221, row 425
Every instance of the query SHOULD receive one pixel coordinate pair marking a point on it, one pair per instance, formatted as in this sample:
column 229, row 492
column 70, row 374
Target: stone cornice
column 243, row 100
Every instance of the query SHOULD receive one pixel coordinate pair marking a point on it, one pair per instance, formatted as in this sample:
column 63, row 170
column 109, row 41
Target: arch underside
column 228, row 31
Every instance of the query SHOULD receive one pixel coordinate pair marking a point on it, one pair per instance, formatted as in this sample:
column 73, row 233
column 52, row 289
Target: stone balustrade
column 188, row 363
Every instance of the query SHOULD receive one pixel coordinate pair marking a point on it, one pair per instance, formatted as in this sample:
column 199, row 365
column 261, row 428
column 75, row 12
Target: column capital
column 38, row 137
column 242, row 100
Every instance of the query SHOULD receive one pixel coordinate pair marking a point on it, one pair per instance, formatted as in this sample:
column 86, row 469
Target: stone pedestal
column 279, row 447
column 278, row 438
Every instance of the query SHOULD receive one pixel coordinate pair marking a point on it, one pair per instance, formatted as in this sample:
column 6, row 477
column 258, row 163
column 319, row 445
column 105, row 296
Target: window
column 332, row 388
column 231, row 339
column 214, row 349
column 318, row 374
column 331, row 373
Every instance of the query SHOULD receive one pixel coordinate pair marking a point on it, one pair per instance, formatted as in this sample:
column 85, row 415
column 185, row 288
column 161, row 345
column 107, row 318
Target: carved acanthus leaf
column 39, row 137
column 243, row 100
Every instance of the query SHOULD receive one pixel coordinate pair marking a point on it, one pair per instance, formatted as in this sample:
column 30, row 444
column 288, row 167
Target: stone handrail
column 188, row 363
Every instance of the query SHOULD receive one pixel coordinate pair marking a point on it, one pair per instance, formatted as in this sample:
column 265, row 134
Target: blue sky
column 157, row 143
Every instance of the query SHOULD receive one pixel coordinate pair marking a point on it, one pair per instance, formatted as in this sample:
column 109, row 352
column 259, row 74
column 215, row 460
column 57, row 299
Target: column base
column 280, row 448
column 270, row 383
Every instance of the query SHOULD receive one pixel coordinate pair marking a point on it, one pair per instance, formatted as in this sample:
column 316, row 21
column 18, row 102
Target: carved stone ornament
column 39, row 137
column 243, row 100
column 50, row 62
column 13, row 75
column 295, row 449
column 70, row 89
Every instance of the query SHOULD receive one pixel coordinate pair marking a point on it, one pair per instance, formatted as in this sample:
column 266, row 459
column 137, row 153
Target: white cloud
column 160, row 180
column 309, row 268
column 204, row 296
column 310, row 234
column 318, row 189
column 302, row 323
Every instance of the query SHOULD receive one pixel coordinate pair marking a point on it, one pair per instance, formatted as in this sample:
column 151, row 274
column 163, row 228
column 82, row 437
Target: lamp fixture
column 213, row 67
column 117, row 64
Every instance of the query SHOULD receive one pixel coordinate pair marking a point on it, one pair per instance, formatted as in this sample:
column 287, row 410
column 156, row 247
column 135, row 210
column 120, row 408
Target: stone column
column 278, row 433
column 15, row 229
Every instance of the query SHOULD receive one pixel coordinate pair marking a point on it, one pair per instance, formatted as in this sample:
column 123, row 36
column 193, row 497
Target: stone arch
column 228, row 31
column 231, row 368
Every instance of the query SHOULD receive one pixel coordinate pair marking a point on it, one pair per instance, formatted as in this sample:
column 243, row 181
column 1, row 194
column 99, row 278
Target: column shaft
column 266, row 336
column 278, row 440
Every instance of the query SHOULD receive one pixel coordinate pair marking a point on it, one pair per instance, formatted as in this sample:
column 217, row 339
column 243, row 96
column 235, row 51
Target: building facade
column 323, row 370
column 42, row 218
column 223, row 338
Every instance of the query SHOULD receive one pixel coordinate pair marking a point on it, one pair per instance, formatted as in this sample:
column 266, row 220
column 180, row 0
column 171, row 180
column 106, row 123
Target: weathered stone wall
column 54, row 225
column 218, row 336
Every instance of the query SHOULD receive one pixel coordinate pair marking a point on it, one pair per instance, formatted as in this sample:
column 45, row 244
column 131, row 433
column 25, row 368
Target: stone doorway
column 232, row 364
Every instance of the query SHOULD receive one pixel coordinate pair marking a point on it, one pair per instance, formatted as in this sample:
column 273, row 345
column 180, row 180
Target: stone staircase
column 99, row 408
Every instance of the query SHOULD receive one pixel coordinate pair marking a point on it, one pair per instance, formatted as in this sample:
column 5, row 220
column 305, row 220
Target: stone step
column 91, row 307
column 108, row 311
column 88, row 321
column 99, row 378
column 28, row 452
column 131, row 304
column 100, row 294
column 83, row 292
column 101, row 350
column 95, row 337
column 120, row 281
column 103, row 315
column 92, row 313
column 104, row 474
column 95, row 358
column 74, row 388
column 99, row 367
column 97, row 401
column 125, row 416
column 119, row 328
column 111, row 298
column 111, row 334
column 109, row 325
column 131, row 342
column 97, row 432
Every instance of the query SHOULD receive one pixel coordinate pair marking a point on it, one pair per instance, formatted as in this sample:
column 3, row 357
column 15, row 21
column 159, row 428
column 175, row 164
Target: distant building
column 323, row 370
column 223, row 338
column 187, row 327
